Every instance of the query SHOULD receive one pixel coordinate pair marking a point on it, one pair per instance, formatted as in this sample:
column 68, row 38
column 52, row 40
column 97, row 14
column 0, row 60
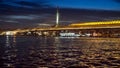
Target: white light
column 8, row 33
column 87, row 34
column 57, row 18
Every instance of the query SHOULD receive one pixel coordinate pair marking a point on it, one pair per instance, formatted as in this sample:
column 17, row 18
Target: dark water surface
column 56, row 52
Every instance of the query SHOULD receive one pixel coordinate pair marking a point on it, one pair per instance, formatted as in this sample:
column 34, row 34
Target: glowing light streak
column 97, row 23
column 10, row 33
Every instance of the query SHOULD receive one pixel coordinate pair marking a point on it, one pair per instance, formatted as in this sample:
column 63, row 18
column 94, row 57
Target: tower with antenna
column 57, row 17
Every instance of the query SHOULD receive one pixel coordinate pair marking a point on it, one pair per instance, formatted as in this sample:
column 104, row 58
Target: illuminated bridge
column 103, row 27
column 93, row 25
column 86, row 25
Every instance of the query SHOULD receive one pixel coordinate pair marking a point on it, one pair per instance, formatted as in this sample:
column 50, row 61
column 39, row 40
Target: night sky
column 89, row 4
column 16, row 14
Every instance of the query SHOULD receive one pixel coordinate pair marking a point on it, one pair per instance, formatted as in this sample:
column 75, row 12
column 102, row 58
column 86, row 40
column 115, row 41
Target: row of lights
column 97, row 23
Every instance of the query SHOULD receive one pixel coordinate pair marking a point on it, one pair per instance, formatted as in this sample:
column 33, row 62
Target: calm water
column 56, row 52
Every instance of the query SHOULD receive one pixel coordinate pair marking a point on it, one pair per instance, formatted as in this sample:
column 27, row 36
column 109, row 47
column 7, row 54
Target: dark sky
column 31, row 13
column 89, row 4
column 86, row 4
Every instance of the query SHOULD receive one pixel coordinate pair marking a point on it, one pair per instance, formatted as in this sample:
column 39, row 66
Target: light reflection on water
column 59, row 52
column 7, row 41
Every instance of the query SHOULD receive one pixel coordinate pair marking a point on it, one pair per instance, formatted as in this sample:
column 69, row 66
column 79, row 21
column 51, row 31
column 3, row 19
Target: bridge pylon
column 57, row 17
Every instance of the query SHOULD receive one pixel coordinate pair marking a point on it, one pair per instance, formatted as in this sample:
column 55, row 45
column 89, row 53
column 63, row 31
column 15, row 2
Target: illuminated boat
column 69, row 35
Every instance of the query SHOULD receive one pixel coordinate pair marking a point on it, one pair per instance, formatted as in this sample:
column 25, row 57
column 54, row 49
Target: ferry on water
column 69, row 35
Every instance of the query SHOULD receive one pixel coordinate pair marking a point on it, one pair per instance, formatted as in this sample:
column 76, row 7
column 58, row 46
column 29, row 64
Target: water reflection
column 9, row 55
column 7, row 41
column 37, row 52
column 14, row 40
